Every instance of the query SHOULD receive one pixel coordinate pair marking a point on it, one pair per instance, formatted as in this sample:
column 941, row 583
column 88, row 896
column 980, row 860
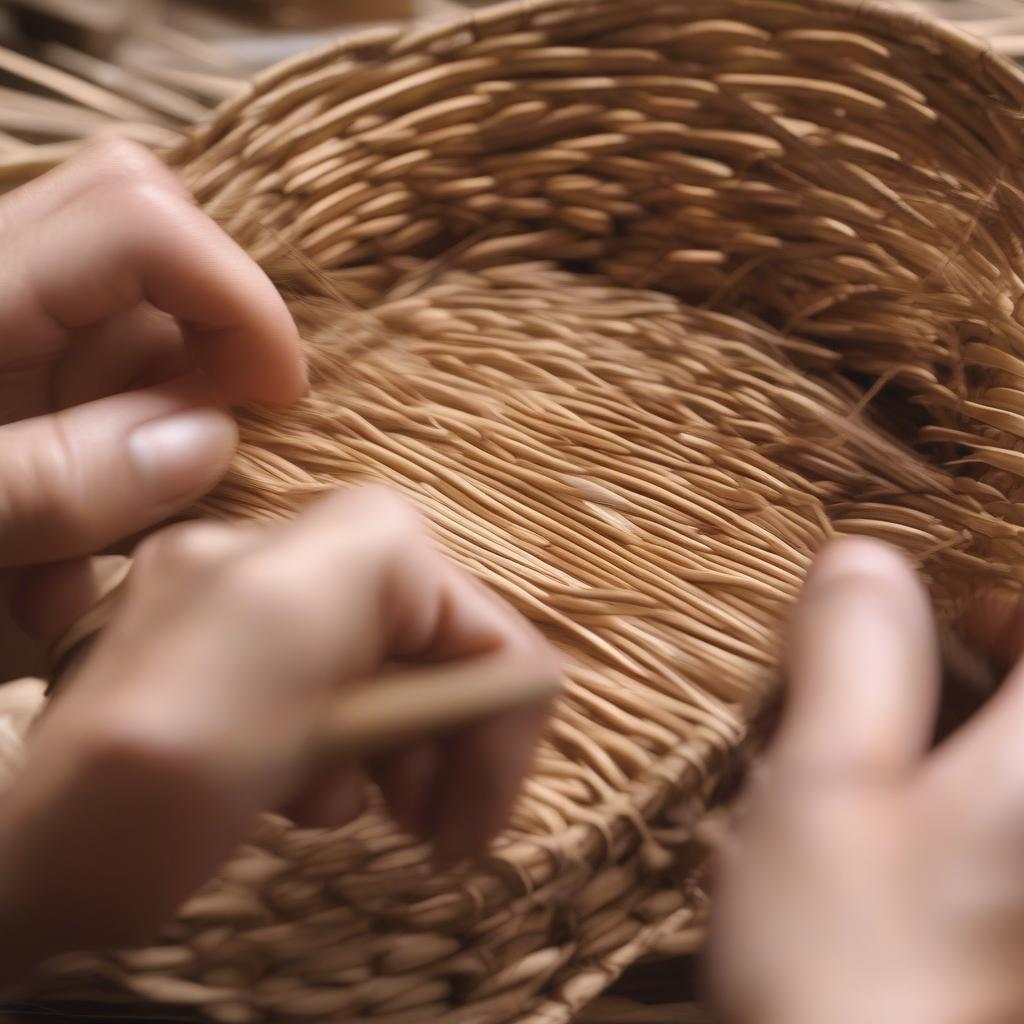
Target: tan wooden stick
column 426, row 701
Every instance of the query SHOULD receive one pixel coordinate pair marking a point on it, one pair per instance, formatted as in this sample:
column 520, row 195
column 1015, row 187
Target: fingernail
column 182, row 453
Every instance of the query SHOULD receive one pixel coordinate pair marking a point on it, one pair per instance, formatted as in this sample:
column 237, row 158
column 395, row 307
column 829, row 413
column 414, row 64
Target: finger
column 75, row 481
column 482, row 767
column 112, row 162
column 141, row 347
column 863, row 667
column 480, row 780
column 137, row 241
column 435, row 611
column 410, row 782
column 50, row 598
column 332, row 800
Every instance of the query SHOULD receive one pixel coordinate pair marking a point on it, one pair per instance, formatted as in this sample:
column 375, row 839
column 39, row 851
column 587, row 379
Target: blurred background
column 147, row 69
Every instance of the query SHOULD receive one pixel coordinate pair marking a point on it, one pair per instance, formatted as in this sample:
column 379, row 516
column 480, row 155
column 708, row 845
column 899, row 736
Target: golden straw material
column 76, row 72
column 305, row 13
column 640, row 303
column 999, row 22
column 175, row 73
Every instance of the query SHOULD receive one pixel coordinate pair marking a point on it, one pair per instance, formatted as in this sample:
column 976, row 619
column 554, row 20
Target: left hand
column 130, row 322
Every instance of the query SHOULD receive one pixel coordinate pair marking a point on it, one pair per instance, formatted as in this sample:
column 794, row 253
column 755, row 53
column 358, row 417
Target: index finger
column 130, row 240
column 483, row 765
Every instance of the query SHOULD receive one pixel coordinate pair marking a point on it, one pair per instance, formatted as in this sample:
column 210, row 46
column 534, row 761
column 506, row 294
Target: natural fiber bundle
column 73, row 72
column 640, row 304
column 303, row 13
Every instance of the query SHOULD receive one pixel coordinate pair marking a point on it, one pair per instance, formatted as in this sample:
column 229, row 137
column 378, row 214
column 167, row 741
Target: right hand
column 873, row 878
column 191, row 713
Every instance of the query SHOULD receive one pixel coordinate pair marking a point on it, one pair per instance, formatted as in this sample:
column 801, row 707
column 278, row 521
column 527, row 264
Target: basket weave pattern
column 608, row 290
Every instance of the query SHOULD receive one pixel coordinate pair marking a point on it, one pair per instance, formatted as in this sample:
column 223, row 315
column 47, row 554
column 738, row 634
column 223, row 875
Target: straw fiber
column 640, row 303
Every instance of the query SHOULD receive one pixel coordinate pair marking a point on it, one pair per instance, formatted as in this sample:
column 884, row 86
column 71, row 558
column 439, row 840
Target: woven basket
column 303, row 13
column 640, row 304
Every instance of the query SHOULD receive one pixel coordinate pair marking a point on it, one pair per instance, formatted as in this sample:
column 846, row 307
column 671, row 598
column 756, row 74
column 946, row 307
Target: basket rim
column 902, row 23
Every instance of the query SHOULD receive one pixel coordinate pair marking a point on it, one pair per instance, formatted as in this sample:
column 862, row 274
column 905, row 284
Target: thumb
column 863, row 666
column 73, row 482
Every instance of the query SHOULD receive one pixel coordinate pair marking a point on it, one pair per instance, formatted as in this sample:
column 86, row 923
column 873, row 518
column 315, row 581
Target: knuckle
column 147, row 752
column 49, row 492
column 120, row 162
column 184, row 549
column 118, row 156
column 386, row 515
column 260, row 588
column 147, row 212
column 145, row 205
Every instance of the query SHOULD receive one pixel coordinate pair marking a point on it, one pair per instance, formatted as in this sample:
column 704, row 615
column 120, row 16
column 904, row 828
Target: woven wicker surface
column 608, row 291
column 999, row 23
column 148, row 70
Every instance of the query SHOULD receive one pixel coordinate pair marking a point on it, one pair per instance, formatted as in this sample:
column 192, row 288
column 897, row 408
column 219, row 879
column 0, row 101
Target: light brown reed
column 640, row 304
column 307, row 13
column 110, row 68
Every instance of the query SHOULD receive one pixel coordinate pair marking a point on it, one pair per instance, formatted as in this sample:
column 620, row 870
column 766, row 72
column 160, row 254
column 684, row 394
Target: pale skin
column 871, row 879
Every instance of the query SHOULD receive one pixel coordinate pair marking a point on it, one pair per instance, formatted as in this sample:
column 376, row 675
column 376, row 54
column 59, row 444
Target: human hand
column 873, row 880
column 193, row 711
column 129, row 321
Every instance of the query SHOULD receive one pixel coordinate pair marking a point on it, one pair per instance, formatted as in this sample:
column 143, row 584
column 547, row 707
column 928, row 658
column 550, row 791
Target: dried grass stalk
column 306, row 13
column 74, row 72
column 640, row 304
